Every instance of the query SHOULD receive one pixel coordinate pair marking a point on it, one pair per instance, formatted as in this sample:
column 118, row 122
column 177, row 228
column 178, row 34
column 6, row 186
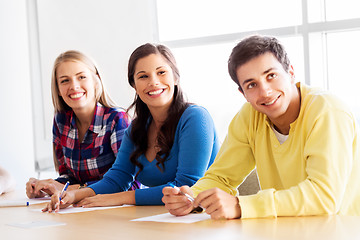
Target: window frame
column 304, row 30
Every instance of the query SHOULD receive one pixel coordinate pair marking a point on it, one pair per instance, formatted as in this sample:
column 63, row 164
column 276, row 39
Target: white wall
column 16, row 138
column 107, row 30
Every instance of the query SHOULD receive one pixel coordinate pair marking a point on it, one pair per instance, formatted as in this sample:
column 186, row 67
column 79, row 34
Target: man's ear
column 242, row 92
column 292, row 73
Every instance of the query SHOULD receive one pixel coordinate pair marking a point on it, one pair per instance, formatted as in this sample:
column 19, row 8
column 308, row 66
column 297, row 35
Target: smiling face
column 154, row 82
column 270, row 89
column 76, row 85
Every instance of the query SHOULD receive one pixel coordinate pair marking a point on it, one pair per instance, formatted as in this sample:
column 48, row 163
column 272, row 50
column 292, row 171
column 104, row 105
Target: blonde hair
column 76, row 56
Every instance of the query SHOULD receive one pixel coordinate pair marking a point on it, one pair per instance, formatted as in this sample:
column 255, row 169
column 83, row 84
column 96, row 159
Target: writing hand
column 176, row 203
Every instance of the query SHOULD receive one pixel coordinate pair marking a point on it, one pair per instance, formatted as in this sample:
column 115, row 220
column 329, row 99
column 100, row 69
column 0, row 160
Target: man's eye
column 272, row 76
column 251, row 85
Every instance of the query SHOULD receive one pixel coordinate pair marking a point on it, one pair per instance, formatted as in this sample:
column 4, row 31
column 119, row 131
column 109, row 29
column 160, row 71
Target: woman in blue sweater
column 169, row 141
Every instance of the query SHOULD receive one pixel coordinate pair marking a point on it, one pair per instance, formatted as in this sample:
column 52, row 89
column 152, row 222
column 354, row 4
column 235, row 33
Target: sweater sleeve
column 120, row 176
column 329, row 156
column 197, row 147
column 234, row 160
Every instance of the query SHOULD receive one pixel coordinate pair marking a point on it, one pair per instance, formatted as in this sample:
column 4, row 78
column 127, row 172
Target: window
column 189, row 19
column 343, row 52
column 320, row 36
column 204, row 79
column 332, row 10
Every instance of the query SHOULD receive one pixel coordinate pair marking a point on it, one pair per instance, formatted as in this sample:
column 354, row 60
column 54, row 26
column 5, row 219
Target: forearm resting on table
column 74, row 187
column 83, row 193
column 127, row 197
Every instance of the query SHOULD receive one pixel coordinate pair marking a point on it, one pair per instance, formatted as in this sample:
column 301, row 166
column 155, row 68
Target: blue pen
column 197, row 209
column 13, row 203
column 64, row 189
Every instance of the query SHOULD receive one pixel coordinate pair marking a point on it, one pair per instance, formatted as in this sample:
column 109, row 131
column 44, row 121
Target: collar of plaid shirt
column 97, row 121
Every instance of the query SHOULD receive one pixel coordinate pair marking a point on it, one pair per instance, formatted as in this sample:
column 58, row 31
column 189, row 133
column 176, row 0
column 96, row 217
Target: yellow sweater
column 316, row 171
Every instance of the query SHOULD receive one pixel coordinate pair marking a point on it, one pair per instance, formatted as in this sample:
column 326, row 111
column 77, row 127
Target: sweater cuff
column 63, row 179
column 149, row 196
column 259, row 205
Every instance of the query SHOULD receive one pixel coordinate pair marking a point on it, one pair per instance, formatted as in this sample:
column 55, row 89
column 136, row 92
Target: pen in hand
column 197, row 209
column 62, row 193
column 63, row 190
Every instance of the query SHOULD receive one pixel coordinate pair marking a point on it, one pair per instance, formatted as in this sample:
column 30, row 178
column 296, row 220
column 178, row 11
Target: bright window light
column 343, row 52
column 206, row 82
column 202, row 39
column 332, row 10
column 344, row 9
column 180, row 19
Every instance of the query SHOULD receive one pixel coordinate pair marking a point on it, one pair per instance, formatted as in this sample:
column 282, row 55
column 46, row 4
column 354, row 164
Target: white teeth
column 156, row 92
column 77, row 95
column 269, row 103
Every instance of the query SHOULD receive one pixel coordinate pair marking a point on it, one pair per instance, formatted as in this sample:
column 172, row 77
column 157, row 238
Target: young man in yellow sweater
column 304, row 143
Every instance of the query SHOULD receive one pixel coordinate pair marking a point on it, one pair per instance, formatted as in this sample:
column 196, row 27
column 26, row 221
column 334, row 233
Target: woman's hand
column 68, row 198
column 175, row 202
column 36, row 188
column 55, row 204
column 102, row 200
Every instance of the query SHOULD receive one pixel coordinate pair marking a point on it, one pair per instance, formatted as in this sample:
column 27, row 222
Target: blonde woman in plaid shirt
column 87, row 129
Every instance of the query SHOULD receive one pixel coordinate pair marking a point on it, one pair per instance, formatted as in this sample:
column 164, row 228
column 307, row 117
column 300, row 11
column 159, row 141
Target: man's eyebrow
column 269, row 70
column 247, row 80
column 265, row 72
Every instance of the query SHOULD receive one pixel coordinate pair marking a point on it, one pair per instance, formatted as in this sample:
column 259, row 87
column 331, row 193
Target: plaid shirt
column 88, row 161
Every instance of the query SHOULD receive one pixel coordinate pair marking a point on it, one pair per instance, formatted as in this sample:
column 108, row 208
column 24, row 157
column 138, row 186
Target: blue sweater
column 194, row 149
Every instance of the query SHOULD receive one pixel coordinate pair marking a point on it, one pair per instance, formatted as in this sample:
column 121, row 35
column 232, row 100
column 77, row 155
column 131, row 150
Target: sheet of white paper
column 36, row 224
column 72, row 209
column 167, row 217
column 38, row 200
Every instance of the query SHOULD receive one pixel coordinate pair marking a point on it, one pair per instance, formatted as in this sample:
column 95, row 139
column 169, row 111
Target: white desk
column 116, row 224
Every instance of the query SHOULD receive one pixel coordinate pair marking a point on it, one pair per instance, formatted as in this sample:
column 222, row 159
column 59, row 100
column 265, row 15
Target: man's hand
column 219, row 204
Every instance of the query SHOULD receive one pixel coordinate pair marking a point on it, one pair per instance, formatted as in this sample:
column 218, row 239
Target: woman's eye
column 161, row 72
column 82, row 77
column 64, row 81
column 143, row 76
